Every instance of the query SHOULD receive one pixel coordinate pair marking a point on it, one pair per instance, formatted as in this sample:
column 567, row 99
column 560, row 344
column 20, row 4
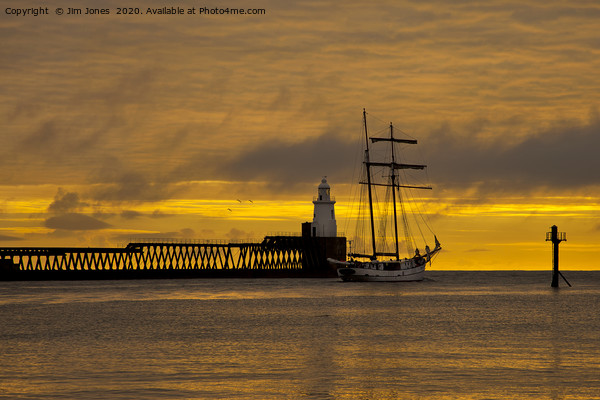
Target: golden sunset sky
column 118, row 127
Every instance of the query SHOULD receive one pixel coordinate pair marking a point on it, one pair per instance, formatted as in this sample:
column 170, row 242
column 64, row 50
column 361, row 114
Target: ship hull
column 401, row 271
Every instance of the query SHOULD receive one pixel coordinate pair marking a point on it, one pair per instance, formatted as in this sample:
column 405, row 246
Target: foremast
column 369, row 184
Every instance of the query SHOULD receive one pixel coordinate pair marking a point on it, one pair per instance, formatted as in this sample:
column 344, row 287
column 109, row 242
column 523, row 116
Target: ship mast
column 393, row 178
column 368, row 166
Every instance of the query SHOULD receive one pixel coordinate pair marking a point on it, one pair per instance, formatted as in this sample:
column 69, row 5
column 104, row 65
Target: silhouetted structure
column 275, row 256
column 556, row 237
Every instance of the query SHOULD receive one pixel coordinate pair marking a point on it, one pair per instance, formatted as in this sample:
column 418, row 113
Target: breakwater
column 275, row 256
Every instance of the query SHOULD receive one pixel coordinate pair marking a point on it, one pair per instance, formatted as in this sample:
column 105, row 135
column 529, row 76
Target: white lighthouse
column 324, row 224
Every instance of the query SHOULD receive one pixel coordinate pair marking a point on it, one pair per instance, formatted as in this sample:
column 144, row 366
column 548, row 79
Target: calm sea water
column 457, row 335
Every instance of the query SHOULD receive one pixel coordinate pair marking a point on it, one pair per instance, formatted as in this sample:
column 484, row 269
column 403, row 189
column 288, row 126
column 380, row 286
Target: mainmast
column 393, row 178
column 368, row 166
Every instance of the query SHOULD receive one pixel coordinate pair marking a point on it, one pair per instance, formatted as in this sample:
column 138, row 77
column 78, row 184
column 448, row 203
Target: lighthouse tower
column 324, row 224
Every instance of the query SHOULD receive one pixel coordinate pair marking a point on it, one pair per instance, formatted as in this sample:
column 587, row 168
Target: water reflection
column 473, row 338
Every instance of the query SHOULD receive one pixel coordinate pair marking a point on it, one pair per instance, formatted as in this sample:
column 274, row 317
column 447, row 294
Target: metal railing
column 331, row 198
column 562, row 236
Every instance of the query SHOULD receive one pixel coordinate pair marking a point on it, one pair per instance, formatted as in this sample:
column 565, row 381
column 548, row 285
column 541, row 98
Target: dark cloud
column 477, row 250
column 159, row 214
column 563, row 157
column 65, row 202
column 535, row 14
column 8, row 238
column 130, row 214
column 45, row 137
column 75, row 222
column 132, row 186
column 61, row 142
column 289, row 164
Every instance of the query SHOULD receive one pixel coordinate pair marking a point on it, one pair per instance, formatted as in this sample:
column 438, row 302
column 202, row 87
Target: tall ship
column 376, row 251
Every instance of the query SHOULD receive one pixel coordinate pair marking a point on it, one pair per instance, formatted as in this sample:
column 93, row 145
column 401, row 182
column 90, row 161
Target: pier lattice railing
column 215, row 256
column 272, row 253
